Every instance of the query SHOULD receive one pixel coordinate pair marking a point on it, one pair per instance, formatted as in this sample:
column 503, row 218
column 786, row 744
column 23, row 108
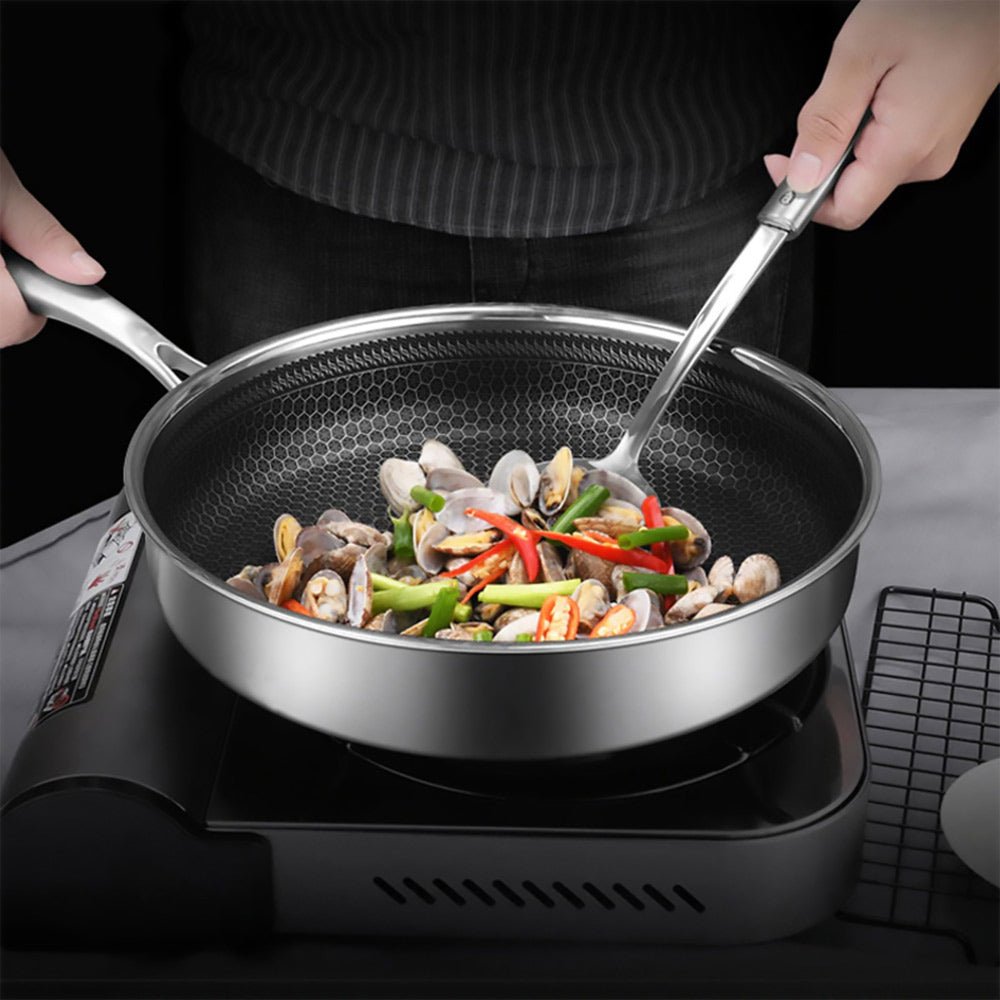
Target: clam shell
column 608, row 525
column 690, row 604
column 331, row 516
column 396, row 477
column 377, row 557
column 620, row 487
column 342, row 560
column 316, row 542
column 712, row 609
column 286, row 531
column 500, row 480
column 359, row 595
column 722, row 575
column 618, row 581
column 697, row 576
column 246, row 582
column 420, row 521
column 758, row 575
column 437, row 455
column 447, row 480
column 512, row 615
column 587, row 566
column 358, row 533
column 696, row 548
column 555, row 482
column 285, row 578
column 646, row 605
column 453, row 515
column 523, row 484
column 551, row 564
column 428, row 558
column 592, row 599
column 516, row 572
column 470, row 544
column 525, row 624
column 325, row 596
column 385, row 622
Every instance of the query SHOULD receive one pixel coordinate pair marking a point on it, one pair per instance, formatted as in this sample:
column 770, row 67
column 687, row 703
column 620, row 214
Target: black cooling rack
column 932, row 711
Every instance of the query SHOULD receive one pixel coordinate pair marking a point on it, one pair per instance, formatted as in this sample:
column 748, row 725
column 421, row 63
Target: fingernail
column 804, row 172
column 86, row 264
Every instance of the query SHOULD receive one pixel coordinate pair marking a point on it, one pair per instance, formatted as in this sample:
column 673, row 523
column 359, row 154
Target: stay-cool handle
column 91, row 309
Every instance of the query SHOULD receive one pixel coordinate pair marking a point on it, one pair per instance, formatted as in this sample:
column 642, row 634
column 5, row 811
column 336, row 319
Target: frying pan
column 766, row 458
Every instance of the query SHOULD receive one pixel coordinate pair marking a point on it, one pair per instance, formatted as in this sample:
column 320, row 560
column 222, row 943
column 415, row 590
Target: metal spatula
column 783, row 218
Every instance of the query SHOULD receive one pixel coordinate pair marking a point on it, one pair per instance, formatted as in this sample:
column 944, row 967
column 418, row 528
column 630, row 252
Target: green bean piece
column 431, row 500
column 380, row 582
column 588, row 502
column 668, row 584
column 526, row 636
column 649, row 536
column 483, row 636
column 410, row 598
column 525, row 595
column 462, row 613
column 441, row 611
column 402, row 538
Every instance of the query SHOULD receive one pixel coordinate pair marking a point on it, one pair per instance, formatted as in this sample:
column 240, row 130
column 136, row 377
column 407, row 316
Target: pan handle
column 91, row 309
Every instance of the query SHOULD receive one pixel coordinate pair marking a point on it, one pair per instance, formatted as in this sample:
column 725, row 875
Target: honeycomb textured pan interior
column 761, row 468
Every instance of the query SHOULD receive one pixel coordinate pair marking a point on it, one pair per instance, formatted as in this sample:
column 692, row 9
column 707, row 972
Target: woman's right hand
column 34, row 232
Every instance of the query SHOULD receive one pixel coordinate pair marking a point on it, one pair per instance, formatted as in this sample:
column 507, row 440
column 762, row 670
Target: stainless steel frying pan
column 765, row 456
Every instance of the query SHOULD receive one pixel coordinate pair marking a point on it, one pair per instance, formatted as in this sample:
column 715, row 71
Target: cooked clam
column 385, row 622
column 325, row 596
column 606, row 525
column 437, row 455
column 555, row 482
column 697, row 577
column 524, row 625
column 285, row 578
column 722, row 575
column 359, row 595
column 467, row 631
column 286, row 531
column 646, row 605
column 550, row 563
column 316, row 544
column 690, row 604
column 694, row 549
column 360, row 534
column 592, row 599
column 469, row 544
column 246, row 582
column 453, row 515
column 502, row 475
column 446, row 480
column 618, row 581
column 712, row 609
column 396, row 477
column 587, row 566
column 429, row 559
column 758, row 575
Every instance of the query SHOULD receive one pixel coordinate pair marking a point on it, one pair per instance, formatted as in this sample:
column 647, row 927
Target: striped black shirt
column 495, row 119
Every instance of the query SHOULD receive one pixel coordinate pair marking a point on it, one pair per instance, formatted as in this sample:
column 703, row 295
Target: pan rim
column 368, row 327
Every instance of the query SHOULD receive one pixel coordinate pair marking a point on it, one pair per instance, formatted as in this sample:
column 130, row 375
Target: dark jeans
column 263, row 261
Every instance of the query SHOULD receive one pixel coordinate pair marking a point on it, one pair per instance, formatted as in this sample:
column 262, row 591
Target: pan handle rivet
column 787, row 198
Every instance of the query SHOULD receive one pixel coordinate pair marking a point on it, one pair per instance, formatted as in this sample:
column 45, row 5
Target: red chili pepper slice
column 653, row 515
column 483, row 557
column 524, row 540
column 631, row 557
column 293, row 605
column 616, row 622
column 558, row 620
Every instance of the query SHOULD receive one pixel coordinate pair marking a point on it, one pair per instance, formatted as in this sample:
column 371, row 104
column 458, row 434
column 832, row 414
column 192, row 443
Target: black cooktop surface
column 782, row 761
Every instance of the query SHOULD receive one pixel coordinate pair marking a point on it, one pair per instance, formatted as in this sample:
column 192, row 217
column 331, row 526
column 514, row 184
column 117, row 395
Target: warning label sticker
column 81, row 656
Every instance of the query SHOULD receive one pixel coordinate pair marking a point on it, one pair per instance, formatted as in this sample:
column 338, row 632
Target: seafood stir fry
column 537, row 553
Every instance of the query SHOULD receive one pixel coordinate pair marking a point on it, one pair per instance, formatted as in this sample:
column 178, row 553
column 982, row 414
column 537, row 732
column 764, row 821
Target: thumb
column 33, row 231
column 830, row 117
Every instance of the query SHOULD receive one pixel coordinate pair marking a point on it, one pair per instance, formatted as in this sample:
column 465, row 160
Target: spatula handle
column 791, row 210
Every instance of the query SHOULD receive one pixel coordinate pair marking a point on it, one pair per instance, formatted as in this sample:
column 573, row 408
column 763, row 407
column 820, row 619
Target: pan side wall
column 498, row 704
